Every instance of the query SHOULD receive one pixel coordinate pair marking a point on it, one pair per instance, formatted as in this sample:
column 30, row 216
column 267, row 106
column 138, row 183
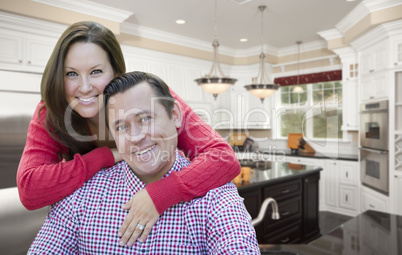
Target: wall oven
column 374, row 128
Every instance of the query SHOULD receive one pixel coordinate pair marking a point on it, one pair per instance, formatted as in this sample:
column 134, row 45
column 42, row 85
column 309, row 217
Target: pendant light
column 212, row 82
column 298, row 89
column 261, row 86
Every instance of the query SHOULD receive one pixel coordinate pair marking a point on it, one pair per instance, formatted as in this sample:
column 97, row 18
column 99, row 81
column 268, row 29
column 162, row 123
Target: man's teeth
column 146, row 150
column 86, row 99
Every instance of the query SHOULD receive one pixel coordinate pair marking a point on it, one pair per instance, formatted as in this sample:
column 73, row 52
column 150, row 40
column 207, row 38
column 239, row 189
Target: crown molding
column 330, row 34
column 362, row 10
column 377, row 34
column 30, row 25
column 89, row 8
column 377, row 5
column 158, row 35
column 304, row 47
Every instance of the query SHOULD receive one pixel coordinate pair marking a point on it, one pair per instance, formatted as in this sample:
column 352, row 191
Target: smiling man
column 143, row 119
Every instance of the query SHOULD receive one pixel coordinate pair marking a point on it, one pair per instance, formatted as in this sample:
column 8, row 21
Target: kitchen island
column 371, row 232
column 295, row 189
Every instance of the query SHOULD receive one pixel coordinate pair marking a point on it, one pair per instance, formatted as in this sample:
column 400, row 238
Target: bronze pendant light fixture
column 215, row 82
column 298, row 89
column 261, row 86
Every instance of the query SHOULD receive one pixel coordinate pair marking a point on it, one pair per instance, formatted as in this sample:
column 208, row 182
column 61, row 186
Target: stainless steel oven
column 374, row 128
column 374, row 125
column 374, row 169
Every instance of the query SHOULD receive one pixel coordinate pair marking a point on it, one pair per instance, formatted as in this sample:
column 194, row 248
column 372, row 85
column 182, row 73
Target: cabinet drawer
column 377, row 202
column 290, row 210
column 279, row 191
column 291, row 234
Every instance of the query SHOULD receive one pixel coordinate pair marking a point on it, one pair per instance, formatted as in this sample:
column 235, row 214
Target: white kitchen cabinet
column 304, row 161
column 341, row 186
column 24, row 52
column 350, row 114
column 374, row 58
column 374, row 86
column 396, row 51
column 239, row 109
column 349, row 187
column 258, row 116
column 397, row 203
column 330, row 184
column 372, row 200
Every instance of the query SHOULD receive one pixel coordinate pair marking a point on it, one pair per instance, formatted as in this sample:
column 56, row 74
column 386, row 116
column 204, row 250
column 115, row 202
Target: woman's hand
column 142, row 212
column 117, row 156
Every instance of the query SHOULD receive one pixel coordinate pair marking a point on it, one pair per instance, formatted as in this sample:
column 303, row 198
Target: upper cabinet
column 374, row 58
column 396, row 51
column 239, row 109
column 24, row 52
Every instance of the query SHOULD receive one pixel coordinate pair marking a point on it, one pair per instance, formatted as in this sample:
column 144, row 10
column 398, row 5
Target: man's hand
column 142, row 212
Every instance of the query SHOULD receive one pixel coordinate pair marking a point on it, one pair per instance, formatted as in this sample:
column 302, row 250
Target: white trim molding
column 89, row 8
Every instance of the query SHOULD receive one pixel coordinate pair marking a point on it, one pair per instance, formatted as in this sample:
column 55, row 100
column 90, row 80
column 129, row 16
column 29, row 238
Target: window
column 317, row 112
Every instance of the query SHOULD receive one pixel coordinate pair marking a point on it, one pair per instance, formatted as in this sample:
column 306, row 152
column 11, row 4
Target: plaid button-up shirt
column 87, row 221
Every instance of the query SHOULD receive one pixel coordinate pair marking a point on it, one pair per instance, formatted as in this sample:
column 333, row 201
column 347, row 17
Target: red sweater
column 44, row 180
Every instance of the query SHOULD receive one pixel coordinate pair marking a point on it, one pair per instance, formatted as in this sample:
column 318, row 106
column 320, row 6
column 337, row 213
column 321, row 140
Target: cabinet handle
column 346, row 198
column 306, row 180
column 285, row 191
column 372, row 206
column 285, row 240
column 285, row 213
column 372, row 70
column 29, row 62
column 20, row 61
column 347, row 176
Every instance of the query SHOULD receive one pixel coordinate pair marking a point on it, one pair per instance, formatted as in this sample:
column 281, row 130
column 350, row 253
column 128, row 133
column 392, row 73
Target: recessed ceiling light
column 243, row 40
column 180, row 21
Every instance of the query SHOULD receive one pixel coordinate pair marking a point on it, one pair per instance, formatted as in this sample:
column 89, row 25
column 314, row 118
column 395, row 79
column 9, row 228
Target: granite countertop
column 370, row 232
column 287, row 152
column 271, row 172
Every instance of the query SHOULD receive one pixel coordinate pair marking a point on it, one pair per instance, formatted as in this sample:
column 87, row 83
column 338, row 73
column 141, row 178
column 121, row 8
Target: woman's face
column 87, row 71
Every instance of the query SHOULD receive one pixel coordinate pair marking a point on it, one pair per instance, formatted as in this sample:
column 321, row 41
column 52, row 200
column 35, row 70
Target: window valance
column 310, row 78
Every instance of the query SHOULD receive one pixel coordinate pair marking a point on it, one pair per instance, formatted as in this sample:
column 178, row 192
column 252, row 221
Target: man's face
column 145, row 135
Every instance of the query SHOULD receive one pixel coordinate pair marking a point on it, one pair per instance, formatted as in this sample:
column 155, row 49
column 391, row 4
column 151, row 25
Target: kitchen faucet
column 264, row 206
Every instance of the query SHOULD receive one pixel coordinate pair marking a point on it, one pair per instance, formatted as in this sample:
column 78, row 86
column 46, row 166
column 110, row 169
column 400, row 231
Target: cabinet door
column 252, row 201
column 38, row 50
column 11, row 47
column 224, row 115
column 380, row 85
column 331, row 183
column 349, row 179
column 372, row 200
column 397, row 51
column 350, row 106
column 366, row 61
column 374, row 86
column 310, row 221
column 258, row 116
column 349, row 173
column 348, row 197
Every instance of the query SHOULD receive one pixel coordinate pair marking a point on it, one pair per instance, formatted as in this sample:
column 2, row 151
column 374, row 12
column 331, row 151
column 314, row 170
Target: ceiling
column 285, row 21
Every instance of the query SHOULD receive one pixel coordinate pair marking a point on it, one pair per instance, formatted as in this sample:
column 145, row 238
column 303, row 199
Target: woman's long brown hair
column 53, row 91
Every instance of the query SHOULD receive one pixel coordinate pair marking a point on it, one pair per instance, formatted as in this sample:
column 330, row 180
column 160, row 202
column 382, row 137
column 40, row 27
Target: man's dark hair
column 129, row 80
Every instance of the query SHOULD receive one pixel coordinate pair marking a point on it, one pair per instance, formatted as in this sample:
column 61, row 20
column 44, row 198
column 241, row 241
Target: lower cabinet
column 297, row 200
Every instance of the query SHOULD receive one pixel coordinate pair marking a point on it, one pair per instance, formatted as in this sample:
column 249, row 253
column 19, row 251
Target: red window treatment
column 310, row 78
